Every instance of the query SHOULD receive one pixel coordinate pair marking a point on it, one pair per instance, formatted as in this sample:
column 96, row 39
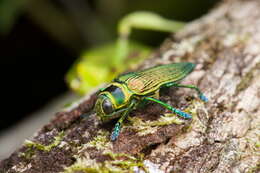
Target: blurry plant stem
column 9, row 12
column 48, row 17
column 140, row 20
column 92, row 30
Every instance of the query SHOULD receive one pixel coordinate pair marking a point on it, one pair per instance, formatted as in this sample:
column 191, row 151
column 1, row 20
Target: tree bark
column 223, row 136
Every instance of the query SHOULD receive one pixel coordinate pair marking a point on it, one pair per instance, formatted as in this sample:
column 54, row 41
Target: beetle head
column 111, row 102
column 104, row 107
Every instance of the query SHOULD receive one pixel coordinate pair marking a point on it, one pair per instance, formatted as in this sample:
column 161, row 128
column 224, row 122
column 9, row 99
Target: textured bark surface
column 224, row 135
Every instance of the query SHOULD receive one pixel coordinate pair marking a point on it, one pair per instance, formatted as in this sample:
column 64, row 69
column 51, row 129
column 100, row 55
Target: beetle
column 129, row 90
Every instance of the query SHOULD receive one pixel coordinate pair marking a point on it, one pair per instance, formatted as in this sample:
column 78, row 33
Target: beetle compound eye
column 107, row 106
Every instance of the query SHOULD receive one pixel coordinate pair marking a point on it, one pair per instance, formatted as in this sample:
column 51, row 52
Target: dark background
column 40, row 39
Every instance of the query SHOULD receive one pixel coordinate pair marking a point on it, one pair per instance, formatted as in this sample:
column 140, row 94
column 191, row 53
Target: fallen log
column 223, row 136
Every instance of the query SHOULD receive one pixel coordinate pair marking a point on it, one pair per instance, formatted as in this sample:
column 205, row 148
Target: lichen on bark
column 223, row 136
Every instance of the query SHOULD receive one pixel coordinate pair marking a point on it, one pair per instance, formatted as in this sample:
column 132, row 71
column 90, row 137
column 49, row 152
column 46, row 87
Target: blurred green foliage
column 83, row 24
column 104, row 63
column 95, row 66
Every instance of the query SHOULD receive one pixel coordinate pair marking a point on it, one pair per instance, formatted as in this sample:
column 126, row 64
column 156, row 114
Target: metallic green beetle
column 127, row 91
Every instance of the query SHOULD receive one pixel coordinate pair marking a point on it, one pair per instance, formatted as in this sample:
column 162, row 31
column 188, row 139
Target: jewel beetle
column 129, row 90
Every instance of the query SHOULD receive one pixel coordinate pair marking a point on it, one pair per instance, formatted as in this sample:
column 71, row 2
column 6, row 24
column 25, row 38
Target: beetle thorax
column 119, row 94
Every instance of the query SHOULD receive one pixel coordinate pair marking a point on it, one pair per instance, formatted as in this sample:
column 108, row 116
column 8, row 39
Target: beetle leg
column 201, row 95
column 143, row 102
column 176, row 111
column 117, row 128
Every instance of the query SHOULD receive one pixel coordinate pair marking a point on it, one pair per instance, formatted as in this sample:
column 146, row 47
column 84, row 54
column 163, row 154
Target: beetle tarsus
column 203, row 97
column 115, row 132
column 182, row 114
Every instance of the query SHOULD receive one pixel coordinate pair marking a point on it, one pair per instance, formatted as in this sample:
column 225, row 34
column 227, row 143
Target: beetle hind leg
column 201, row 95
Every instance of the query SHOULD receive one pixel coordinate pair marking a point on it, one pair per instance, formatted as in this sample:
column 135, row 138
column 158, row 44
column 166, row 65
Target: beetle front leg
column 201, row 95
column 117, row 128
column 174, row 110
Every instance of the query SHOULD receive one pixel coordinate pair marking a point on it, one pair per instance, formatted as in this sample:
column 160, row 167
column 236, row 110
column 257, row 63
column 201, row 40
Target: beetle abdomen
column 151, row 79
